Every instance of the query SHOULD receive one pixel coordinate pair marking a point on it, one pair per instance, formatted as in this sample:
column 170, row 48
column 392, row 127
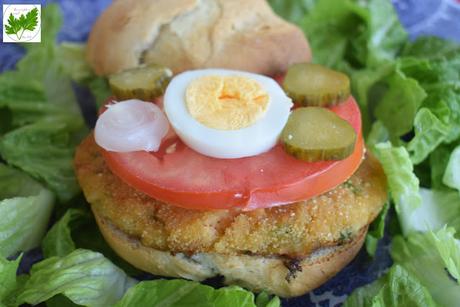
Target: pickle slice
column 315, row 85
column 145, row 82
column 316, row 134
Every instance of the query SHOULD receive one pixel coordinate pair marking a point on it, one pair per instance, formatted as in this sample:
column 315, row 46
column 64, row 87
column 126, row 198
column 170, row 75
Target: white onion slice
column 131, row 125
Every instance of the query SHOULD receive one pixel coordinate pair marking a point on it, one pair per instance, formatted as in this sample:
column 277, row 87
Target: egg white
column 227, row 144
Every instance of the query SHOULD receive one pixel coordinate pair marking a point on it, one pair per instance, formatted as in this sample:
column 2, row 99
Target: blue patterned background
column 420, row 17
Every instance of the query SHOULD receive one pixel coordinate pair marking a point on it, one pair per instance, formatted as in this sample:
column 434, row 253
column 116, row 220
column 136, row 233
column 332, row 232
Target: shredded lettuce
column 83, row 276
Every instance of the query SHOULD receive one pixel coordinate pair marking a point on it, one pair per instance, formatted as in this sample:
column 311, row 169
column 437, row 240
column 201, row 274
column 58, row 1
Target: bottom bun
column 278, row 275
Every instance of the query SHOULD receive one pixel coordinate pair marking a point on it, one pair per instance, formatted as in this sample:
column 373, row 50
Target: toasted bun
column 275, row 275
column 190, row 34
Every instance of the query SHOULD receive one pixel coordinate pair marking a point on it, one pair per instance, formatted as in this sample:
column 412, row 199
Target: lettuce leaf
column 438, row 161
column 431, row 47
column 429, row 133
column 25, row 208
column 402, row 182
column 385, row 35
column 376, row 231
column 397, row 288
column 434, row 259
column 329, row 27
column 451, row 176
column 45, row 150
column 377, row 134
column 39, row 87
column 266, row 300
column 58, row 241
column 346, row 34
column 8, row 282
column 83, row 276
column 72, row 57
column 293, row 11
column 77, row 228
column 188, row 293
column 437, row 209
column 398, row 117
column 45, row 119
column 426, row 273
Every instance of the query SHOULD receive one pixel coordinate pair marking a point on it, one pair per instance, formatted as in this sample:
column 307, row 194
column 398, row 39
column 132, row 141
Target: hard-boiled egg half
column 217, row 112
column 226, row 113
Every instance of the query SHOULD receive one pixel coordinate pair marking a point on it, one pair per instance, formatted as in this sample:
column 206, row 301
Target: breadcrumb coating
column 294, row 230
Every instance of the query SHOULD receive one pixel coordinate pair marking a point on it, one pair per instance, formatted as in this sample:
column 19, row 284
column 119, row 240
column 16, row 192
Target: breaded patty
column 293, row 230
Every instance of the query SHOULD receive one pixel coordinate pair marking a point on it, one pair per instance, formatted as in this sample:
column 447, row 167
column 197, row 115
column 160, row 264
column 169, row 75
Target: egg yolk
column 226, row 102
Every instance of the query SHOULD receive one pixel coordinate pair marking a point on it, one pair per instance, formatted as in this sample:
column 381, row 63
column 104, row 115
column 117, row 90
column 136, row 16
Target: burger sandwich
column 223, row 151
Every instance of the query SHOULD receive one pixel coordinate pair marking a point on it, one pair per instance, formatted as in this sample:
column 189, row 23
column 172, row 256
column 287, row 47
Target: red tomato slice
column 188, row 179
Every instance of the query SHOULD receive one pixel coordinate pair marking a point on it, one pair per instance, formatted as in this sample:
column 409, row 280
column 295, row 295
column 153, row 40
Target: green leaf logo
column 17, row 26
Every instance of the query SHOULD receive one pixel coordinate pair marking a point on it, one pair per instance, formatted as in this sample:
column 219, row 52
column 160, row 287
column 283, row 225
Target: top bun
column 190, row 34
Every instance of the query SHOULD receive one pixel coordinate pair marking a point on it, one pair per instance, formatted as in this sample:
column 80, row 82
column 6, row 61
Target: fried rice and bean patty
column 294, row 230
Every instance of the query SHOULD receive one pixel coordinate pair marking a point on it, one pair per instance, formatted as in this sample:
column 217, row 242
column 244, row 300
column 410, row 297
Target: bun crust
column 277, row 275
column 191, row 34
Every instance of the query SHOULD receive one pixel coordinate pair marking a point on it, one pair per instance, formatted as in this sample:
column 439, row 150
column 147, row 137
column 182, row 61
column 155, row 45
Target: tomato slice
column 188, row 179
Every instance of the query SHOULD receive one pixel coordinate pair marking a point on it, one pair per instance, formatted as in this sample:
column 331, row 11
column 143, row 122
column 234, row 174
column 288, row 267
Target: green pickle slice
column 315, row 85
column 145, row 82
column 317, row 134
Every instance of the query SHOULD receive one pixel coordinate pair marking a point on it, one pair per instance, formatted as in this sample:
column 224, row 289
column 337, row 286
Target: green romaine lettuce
column 376, row 231
column 451, row 176
column 72, row 57
column 83, row 276
column 77, row 228
column 431, row 47
column 402, row 183
column 429, row 133
column 396, row 116
column 45, row 150
column 58, row 241
column 329, row 27
column 293, row 11
column 438, row 161
column 45, row 120
column 434, row 259
column 398, row 288
column 437, row 209
column 8, row 279
column 345, row 34
column 25, row 208
column 170, row 293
